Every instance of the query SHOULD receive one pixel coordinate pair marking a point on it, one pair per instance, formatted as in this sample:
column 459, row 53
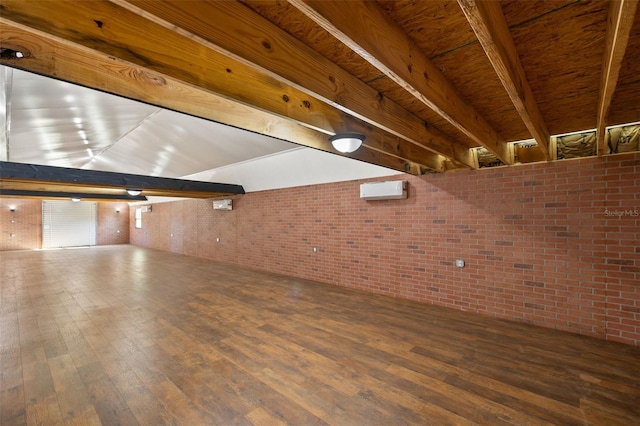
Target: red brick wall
column 22, row 228
column 554, row 244
column 113, row 223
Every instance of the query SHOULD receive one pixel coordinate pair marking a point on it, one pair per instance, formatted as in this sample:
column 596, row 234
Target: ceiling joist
column 106, row 30
column 619, row 24
column 369, row 32
column 489, row 25
column 49, row 55
column 245, row 36
column 276, row 69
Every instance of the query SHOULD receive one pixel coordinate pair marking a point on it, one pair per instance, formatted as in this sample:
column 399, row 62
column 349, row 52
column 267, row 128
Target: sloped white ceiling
column 55, row 123
column 296, row 167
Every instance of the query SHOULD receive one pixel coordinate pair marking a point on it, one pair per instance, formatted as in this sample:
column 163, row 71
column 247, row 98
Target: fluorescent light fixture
column 134, row 192
column 347, row 142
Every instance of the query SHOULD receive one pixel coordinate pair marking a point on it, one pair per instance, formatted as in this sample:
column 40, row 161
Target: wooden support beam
column 195, row 69
column 488, row 23
column 244, row 35
column 52, row 56
column 34, row 177
column 619, row 23
column 368, row 31
column 87, row 196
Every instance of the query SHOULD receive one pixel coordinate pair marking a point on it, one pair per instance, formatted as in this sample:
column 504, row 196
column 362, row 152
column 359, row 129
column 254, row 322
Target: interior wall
column 21, row 229
column 113, row 223
column 554, row 244
column 20, row 224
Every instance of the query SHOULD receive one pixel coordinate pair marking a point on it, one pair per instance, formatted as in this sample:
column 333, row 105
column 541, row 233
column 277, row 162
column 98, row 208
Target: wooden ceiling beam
column 23, row 193
column 365, row 28
column 619, row 24
column 35, row 177
column 51, row 56
column 244, row 35
column 162, row 54
column 488, row 23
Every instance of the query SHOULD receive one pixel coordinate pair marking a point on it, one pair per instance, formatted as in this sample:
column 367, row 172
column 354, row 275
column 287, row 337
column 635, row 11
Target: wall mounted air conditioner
column 225, row 204
column 389, row 190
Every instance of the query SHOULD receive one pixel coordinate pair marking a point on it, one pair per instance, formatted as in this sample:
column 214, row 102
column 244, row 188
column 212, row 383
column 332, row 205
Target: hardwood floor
column 126, row 335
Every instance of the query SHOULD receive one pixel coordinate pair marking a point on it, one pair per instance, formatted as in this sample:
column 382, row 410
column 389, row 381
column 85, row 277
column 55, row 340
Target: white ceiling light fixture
column 347, row 142
column 134, row 192
column 75, row 200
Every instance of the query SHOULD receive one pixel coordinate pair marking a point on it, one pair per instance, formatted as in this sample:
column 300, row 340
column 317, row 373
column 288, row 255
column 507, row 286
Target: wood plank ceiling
column 426, row 82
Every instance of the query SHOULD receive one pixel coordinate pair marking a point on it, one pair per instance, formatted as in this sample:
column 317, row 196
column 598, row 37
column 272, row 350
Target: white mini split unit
column 389, row 190
column 225, row 204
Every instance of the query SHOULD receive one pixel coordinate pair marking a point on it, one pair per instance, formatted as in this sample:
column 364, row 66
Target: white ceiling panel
column 171, row 144
column 61, row 124
column 55, row 123
column 296, row 167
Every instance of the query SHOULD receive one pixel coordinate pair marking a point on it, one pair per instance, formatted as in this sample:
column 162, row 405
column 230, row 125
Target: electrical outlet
column 315, row 249
column 460, row 263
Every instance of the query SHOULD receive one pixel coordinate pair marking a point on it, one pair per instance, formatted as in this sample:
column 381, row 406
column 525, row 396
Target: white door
column 69, row 224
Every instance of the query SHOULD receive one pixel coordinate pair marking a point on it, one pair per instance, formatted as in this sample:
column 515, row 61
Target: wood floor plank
column 45, row 411
column 109, row 404
column 178, row 405
column 12, row 406
column 72, row 396
column 38, row 383
column 261, row 417
column 145, row 407
column 177, row 340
